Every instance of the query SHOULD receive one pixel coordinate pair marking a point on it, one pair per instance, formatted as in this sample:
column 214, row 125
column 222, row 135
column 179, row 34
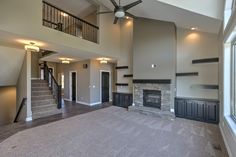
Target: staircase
column 42, row 100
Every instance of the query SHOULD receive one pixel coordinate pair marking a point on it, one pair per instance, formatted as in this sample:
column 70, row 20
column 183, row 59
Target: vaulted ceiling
column 206, row 15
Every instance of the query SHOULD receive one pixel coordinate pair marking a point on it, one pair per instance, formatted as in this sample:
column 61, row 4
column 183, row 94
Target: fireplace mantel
column 158, row 81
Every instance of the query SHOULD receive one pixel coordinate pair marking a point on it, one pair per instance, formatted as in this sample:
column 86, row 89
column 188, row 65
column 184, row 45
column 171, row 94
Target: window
column 229, row 8
column 233, row 81
column 61, row 80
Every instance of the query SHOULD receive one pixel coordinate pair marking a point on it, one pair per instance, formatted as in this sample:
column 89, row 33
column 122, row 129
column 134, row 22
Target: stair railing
column 20, row 108
column 53, row 85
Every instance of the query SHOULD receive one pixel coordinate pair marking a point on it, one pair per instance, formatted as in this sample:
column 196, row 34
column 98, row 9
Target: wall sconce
column 32, row 47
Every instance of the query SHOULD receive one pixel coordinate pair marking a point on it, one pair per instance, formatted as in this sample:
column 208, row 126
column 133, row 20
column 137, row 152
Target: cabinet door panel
column 189, row 109
column 199, row 110
column 180, row 108
column 212, row 112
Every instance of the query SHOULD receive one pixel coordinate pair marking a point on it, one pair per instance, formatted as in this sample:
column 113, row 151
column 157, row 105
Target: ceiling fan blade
column 132, row 5
column 115, row 20
column 114, row 3
column 130, row 15
column 104, row 12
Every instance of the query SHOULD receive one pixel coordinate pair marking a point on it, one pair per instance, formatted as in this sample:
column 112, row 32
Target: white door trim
column 70, row 83
column 101, row 84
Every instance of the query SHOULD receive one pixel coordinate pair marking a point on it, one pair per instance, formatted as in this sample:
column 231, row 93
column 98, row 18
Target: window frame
column 233, row 80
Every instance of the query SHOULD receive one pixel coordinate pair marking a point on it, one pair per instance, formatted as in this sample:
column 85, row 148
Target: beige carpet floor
column 115, row 132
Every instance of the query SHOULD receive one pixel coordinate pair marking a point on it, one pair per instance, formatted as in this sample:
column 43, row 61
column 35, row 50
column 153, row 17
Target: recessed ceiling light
column 127, row 17
column 193, row 28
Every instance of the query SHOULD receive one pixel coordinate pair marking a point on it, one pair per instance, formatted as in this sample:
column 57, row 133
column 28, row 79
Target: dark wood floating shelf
column 187, row 74
column 205, row 60
column 205, row 86
column 160, row 81
column 122, row 67
column 122, row 84
column 128, row 75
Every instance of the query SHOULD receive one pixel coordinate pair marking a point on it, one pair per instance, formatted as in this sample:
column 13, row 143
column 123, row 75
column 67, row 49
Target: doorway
column 105, row 86
column 73, row 85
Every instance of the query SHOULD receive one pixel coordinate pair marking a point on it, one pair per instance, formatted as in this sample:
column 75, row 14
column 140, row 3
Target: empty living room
column 118, row 78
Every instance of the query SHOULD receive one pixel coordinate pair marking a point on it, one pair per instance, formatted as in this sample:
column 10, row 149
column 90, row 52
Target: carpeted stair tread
column 42, row 100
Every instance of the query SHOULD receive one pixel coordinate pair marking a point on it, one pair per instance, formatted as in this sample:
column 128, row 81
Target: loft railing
column 54, row 86
column 56, row 18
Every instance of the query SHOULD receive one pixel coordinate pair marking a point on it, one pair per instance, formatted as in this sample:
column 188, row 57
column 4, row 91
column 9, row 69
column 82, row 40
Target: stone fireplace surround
column 161, row 85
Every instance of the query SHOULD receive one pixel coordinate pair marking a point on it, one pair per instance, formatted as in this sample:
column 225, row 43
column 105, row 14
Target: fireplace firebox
column 152, row 98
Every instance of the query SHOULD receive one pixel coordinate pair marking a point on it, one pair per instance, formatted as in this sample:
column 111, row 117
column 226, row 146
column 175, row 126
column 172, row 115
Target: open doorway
column 105, row 86
column 73, row 85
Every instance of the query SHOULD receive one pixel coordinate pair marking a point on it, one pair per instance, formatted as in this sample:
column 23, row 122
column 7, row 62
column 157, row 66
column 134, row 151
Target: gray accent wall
column 154, row 42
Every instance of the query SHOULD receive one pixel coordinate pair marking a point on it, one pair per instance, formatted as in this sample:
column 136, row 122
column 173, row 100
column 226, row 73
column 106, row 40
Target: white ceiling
column 182, row 17
column 79, row 8
column 211, row 8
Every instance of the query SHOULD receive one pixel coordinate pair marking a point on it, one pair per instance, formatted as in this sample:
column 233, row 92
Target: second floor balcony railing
column 58, row 19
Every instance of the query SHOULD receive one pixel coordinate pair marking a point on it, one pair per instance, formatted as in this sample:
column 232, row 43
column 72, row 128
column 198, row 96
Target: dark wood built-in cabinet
column 205, row 110
column 122, row 99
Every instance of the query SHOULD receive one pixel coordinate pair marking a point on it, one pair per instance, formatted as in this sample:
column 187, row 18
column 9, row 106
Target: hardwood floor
column 69, row 109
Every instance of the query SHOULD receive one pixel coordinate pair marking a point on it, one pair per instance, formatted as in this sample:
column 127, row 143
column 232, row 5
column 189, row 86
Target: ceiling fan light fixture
column 120, row 13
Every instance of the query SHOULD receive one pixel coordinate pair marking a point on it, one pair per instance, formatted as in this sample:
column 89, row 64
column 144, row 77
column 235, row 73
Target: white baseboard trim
column 225, row 141
column 83, row 103
column 94, row 104
column 88, row 104
column 66, row 99
column 28, row 119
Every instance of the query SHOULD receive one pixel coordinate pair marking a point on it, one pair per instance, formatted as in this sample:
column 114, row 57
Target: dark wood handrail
column 56, row 90
column 20, row 108
column 52, row 76
column 71, row 15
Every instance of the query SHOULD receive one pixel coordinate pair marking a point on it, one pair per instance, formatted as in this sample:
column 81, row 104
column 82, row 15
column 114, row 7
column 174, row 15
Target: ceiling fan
column 121, row 11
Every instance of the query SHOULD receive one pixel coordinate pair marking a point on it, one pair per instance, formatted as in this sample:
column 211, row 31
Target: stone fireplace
column 152, row 96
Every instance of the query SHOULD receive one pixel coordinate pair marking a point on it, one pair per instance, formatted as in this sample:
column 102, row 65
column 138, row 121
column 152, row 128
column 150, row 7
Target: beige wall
column 196, row 45
column 7, row 105
column 95, row 80
column 35, row 65
column 126, row 56
column 21, row 89
column 11, row 60
column 88, row 80
column 91, row 18
column 83, row 81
